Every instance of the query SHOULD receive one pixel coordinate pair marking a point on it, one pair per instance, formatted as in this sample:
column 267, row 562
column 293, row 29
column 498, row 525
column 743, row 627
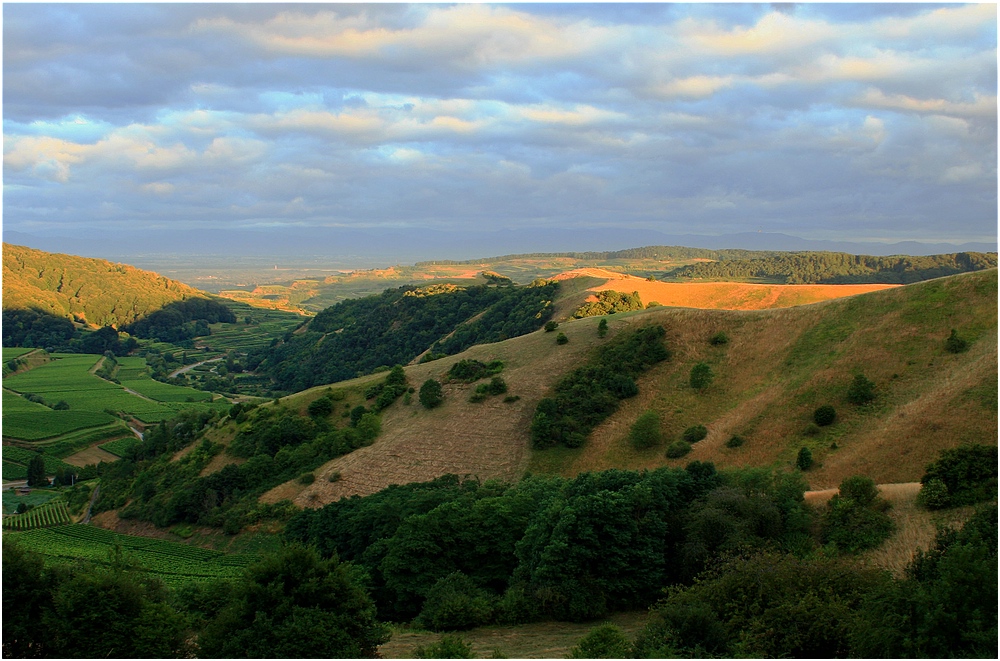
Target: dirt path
column 188, row 368
column 90, row 506
column 899, row 490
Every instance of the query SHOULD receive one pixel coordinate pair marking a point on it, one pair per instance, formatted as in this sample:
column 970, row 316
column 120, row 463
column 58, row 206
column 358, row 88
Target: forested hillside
column 835, row 268
column 95, row 291
column 355, row 337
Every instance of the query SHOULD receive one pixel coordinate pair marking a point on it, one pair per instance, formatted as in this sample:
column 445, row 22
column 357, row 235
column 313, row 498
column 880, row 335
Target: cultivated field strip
column 172, row 562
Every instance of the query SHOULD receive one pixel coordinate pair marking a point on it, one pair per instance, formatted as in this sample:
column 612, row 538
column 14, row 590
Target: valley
column 236, row 423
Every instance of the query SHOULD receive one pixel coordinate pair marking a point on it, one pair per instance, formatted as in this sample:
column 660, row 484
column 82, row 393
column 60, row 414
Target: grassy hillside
column 99, row 292
column 776, row 369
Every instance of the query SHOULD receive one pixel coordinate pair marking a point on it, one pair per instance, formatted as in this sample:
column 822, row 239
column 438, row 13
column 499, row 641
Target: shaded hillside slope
column 776, row 369
column 99, row 292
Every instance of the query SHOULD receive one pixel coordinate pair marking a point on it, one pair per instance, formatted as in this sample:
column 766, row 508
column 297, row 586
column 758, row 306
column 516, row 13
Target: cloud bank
column 860, row 122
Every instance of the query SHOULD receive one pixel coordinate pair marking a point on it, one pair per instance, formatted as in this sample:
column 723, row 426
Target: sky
column 842, row 121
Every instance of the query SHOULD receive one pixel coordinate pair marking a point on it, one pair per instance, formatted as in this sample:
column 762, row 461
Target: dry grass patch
column 488, row 439
column 539, row 640
column 91, row 455
column 721, row 295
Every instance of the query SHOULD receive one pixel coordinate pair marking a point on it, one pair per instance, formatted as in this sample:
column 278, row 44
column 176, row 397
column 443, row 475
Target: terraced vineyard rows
column 172, row 562
column 43, row 516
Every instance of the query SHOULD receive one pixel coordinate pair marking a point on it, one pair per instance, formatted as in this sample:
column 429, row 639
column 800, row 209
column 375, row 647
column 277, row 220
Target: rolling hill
column 98, row 292
column 777, row 367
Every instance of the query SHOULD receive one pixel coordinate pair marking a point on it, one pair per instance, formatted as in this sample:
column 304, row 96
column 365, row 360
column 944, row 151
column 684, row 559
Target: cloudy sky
column 859, row 122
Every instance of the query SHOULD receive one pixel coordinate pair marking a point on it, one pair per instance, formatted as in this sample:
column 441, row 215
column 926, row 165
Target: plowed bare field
column 720, row 295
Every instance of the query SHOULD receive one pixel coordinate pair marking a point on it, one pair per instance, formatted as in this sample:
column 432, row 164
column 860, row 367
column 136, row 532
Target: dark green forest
column 835, row 268
column 357, row 336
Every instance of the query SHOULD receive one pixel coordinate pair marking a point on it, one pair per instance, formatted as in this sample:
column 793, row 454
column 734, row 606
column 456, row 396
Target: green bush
column 934, row 495
column 735, row 441
column 968, row 472
column 804, row 460
column 954, row 343
column 561, row 338
column 307, row 478
column 862, row 490
column 455, row 603
column 701, row 376
column 824, row 415
column 431, row 394
column 605, row 642
column 861, row 390
column 321, row 408
column 678, row 449
column 448, row 647
column 602, row 328
column 695, row 433
column 551, row 326
column 719, row 339
column 645, row 431
column 854, row 527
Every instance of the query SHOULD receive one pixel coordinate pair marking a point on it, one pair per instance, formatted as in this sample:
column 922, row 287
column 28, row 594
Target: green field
column 9, row 353
column 173, row 562
column 16, row 459
column 119, row 446
column 38, row 425
column 37, row 497
column 67, row 378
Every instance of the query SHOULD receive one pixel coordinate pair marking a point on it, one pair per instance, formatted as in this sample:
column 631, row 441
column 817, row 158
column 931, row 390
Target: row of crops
column 173, row 562
column 43, row 516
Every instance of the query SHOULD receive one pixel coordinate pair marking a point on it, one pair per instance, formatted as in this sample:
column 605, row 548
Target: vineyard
column 67, row 378
column 172, row 562
column 15, row 462
column 119, row 446
column 43, row 516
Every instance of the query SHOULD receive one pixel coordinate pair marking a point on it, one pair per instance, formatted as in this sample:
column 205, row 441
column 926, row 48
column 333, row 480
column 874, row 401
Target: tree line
column 836, row 268
column 355, row 337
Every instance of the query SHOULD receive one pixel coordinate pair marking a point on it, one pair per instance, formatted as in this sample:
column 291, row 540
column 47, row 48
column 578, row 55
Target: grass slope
column 778, row 367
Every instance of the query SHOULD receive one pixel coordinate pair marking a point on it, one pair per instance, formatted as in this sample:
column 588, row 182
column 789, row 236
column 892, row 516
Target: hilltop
column 776, row 368
column 94, row 291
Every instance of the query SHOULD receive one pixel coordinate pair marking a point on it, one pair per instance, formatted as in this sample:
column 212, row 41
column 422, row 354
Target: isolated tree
column 431, row 394
column 645, row 431
column 824, row 415
column 36, row 472
column 602, row 328
column 805, row 459
column 551, row 326
column 701, row 376
column 561, row 338
column 954, row 343
column 861, row 391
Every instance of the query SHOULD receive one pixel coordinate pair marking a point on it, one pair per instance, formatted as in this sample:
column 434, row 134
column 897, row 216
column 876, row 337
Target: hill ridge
column 96, row 291
column 778, row 366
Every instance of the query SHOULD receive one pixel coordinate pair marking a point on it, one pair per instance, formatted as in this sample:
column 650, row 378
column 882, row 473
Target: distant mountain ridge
column 368, row 247
column 97, row 291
